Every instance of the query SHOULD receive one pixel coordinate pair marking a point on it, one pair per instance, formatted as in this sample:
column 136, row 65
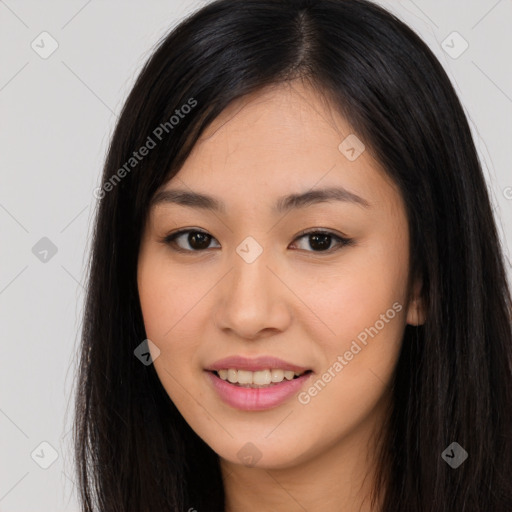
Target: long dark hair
column 453, row 380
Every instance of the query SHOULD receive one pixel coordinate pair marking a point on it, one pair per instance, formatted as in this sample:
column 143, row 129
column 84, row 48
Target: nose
column 252, row 302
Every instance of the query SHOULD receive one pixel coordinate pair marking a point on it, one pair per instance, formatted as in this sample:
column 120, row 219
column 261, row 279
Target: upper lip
column 254, row 364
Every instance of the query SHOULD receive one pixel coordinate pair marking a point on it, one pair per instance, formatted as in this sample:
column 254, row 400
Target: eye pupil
column 199, row 241
column 324, row 243
column 202, row 239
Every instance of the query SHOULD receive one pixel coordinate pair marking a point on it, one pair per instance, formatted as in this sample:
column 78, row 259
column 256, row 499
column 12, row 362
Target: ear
column 416, row 311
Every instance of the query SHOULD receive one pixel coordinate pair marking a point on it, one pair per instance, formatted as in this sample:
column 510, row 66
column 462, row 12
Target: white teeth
column 277, row 375
column 261, row 378
column 244, row 377
column 253, row 379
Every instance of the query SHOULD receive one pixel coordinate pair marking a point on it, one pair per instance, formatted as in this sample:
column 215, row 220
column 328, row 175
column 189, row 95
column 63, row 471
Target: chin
column 260, row 453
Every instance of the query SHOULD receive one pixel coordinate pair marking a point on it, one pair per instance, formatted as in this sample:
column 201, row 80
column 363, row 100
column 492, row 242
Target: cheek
column 171, row 305
column 364, row 305
column 166, row 296
column 370, row 281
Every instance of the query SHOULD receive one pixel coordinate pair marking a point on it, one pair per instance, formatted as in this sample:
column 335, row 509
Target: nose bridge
column 251, row 300
column 251, row 276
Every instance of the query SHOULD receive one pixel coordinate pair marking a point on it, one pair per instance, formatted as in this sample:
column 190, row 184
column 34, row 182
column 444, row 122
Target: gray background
column 57, row 115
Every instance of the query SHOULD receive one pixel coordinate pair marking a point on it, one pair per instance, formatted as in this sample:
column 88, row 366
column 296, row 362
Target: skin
column 295, row 301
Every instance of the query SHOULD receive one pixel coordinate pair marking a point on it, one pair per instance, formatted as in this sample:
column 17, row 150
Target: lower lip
column 256, row 399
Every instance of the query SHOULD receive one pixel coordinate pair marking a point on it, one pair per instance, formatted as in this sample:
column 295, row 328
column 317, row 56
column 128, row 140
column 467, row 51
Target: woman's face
column 253, row 287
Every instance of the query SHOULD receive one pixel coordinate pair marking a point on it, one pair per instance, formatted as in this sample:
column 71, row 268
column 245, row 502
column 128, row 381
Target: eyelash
column 170, row 240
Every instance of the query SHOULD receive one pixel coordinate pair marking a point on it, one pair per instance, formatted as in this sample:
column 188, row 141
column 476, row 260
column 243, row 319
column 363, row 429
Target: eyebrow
column 283, row 204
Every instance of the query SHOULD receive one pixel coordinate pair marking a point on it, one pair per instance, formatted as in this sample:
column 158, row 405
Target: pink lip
column 256, row 399
column 254, row 364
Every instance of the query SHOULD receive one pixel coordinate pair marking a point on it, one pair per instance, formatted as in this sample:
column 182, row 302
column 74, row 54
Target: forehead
column 284, row 139
column 289, row 116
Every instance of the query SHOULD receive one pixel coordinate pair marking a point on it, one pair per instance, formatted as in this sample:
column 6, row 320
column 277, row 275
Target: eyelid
column 343, row 240
column 322, row 231
column 170, row 238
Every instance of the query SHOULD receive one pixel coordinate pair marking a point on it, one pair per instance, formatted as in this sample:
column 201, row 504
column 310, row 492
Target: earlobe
column 416, row 311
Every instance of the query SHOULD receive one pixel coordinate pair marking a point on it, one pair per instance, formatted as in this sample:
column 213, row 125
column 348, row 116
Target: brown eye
column 196, row 240
column 191, row 240
column 320, row 241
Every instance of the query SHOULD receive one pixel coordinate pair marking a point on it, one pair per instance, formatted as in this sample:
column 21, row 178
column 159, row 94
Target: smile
column 256, row 383
column 253, row 397
column 261, row 378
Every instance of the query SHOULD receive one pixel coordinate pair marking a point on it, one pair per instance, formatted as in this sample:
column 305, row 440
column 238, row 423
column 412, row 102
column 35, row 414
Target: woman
column 354, row 355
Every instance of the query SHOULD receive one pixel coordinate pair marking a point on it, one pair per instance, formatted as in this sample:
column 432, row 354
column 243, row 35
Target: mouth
column 260, row 379
column 259, row 389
